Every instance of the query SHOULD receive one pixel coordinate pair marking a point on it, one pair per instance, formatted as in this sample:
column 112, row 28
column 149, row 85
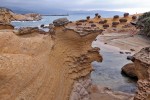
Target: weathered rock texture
column 60, row 22
column 28, row 30
column 142, row 66
column 34, row 67
column 6, row 16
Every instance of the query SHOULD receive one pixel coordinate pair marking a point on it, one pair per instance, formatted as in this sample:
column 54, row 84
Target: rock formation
column 7, row 15
column 129, row 70
column 36, row 67
column 28, row 30
column 6, row 26
column 142, row 66
column 60, row 22
column 26, row 17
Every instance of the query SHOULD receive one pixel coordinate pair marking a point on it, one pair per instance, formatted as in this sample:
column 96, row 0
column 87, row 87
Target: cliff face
column 38, row 67
column 6, row 16
column 142, row 66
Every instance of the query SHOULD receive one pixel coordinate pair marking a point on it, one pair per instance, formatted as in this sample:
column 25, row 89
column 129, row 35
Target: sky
column 131, row 6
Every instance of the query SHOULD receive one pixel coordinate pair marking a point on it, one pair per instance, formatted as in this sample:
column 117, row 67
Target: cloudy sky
column 131, row 6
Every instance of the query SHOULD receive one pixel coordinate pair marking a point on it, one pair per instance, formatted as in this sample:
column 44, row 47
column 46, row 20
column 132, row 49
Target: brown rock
column 129, row 70
column 6, row 26
column 123, row 20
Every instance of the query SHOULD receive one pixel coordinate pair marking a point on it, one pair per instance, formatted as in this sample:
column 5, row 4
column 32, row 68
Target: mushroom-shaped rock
column 123, row 20
column 126, row 14
column 60, row 22
column 93, row 25
column 116, row 16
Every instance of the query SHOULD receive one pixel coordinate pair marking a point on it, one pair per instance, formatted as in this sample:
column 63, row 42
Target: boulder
column 129, row 70
column 134, row 17
column 60, row 22
column 105, row 25
column 88, row 17
column 126, row 14
column 102, row 21
column 115, row 23
column 116, row 16
column 93, row 25
column 123, row 20
column 130, row 58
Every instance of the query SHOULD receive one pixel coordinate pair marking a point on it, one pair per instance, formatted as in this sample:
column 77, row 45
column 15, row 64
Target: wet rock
column 129, row 70
column 130, row 58
column 132, row 50
column 60, row 22
column 121, row 52
column 128, row 52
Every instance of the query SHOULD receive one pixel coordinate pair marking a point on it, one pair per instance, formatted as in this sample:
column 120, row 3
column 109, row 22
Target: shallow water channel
column 108, row 72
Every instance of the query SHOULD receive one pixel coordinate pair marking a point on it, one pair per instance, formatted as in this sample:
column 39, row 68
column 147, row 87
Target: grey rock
column 61, row 22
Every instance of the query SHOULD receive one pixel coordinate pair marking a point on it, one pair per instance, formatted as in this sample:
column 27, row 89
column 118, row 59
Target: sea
column 46, row 20
column 106, row 73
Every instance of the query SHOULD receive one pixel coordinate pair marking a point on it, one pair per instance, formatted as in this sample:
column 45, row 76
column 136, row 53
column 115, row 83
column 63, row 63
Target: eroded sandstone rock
column 60, row 22
column 7, row 15
column 35, row 67
column 28, row 30
column 129, row 70
column 142, row 66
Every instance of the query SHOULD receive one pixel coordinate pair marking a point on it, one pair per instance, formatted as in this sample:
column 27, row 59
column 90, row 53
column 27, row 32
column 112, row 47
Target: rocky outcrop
column 6, row 26
column 34, row 67
column 28, row 30
column 60, row 22
column 142, row 66
column 140, row 69
column 7, row 15
column 129, row 70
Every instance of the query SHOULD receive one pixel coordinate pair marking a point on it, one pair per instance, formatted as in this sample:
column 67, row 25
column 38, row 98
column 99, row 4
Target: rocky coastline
column 55, row 65
column 7, row 15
